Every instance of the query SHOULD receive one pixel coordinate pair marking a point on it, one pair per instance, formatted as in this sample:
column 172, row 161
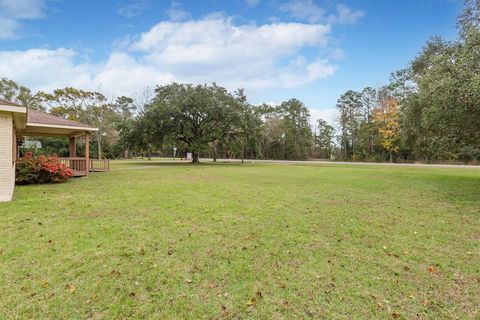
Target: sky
column 312, row 50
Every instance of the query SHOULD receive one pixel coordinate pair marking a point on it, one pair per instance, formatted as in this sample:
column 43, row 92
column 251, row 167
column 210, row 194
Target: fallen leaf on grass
column 212, row 285
column 396, row 315
column 45, row 284
column 188, row 280
column 224, row 310
column 252, row 302
column 431, row 269
column 71, row 288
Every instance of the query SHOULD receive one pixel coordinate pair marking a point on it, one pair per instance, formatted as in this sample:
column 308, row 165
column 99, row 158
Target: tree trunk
column 243, row 153
column 372, row 143
column 195, row 158
column 99, row 148
column 391, row 156
column 215, row 151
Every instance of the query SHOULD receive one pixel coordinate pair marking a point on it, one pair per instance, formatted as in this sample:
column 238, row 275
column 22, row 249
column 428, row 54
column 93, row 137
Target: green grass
column 263, row 241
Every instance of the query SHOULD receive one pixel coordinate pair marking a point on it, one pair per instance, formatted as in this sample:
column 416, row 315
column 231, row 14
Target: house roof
column 37, row 117
column 44, row 124
column 9, row 103
column 29, row 122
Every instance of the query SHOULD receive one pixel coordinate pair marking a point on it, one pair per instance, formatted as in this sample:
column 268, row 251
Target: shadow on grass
column 148, row 163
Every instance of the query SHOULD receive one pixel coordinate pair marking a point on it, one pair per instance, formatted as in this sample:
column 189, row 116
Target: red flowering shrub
column 41, row 169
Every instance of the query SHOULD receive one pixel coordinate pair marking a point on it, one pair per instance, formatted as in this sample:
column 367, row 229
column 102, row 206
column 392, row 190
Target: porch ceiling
column 54, row 131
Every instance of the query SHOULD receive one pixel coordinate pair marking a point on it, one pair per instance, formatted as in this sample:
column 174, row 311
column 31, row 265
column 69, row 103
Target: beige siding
column 7, row 169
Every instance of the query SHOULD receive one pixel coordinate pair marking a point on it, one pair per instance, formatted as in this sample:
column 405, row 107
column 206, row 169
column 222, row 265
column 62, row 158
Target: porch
column 40, row 124
column 79, row 165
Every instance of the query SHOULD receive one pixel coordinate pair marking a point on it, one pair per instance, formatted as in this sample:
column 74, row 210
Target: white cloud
column 309, row 11
column 346, row 15
column 124, row 75
column 12, row 12
column 176, row 13
column 132, row 8
column 213, row 48
column 23, row 9
column 8, row 28
column 216, row 40
column 304, row 10
column 43, row 69
column 252, row 3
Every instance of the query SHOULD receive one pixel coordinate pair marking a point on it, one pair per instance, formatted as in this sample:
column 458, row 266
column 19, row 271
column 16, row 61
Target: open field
column 263, row 241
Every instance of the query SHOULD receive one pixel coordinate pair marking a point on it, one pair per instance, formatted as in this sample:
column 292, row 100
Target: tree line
column 428, row 111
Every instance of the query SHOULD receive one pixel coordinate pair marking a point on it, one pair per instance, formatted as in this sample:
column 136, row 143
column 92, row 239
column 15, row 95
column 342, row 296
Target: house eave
column 15, row 109
column 29, row 124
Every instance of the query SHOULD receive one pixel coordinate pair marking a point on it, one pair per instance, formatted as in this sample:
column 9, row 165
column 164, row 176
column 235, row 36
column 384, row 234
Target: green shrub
column 468, row 154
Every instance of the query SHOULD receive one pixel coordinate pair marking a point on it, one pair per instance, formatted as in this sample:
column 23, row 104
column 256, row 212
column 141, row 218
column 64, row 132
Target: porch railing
column 79, row 165
column 99, row 165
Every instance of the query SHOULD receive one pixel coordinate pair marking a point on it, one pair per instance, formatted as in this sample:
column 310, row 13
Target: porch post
column 87, row 152
column 73, row 147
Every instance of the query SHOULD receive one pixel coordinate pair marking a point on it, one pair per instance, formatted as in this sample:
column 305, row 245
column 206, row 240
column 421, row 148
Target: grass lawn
column 263, row 241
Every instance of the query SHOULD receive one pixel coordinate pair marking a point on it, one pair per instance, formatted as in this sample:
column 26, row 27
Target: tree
column 136, row 134
column 89, row 107
column 369, row 103
column 386, row 115
column 195, row 115
column 324, row 139
column 349, row 106
column 68, row 102
column 297, row 132
column 469, row 19
column 247, row 125
column 12, row 91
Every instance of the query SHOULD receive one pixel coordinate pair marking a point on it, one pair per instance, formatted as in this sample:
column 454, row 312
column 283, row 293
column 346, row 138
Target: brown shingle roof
column 9, row 103
column 37, row 117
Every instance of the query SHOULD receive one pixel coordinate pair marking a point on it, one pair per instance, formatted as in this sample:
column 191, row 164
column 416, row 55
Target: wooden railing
column 99, row 165
column 79, row 165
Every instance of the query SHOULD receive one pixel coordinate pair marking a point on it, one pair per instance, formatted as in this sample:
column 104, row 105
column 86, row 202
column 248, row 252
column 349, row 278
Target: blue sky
column 276, row 49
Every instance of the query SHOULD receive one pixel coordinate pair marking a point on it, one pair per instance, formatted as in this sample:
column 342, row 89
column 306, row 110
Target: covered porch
column 40, row 124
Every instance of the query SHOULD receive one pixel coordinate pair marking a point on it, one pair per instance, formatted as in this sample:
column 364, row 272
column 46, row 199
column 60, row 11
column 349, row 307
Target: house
column 17, row 121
